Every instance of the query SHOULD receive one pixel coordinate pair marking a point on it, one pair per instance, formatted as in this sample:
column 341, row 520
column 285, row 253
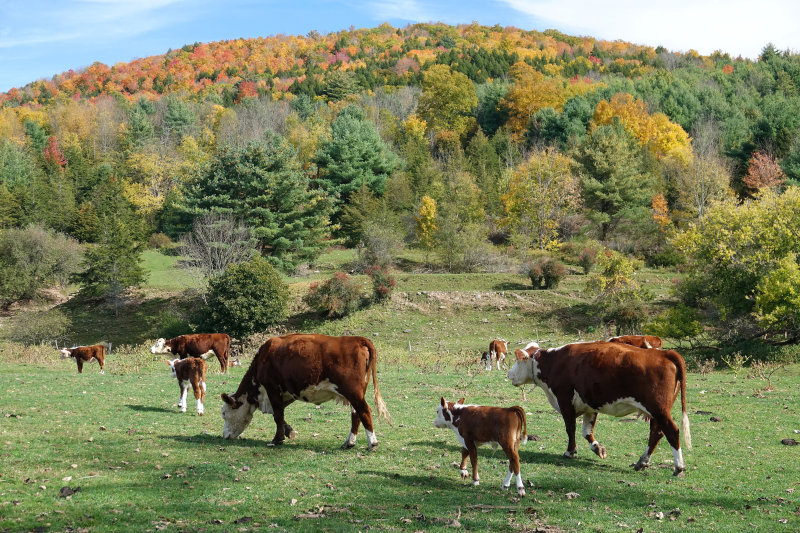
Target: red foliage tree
column 53, row 154
column 763, row 171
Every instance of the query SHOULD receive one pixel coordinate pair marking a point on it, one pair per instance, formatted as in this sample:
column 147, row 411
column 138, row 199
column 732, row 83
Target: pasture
column 141, row 465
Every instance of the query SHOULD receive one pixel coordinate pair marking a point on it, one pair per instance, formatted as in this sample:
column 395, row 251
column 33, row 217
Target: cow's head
column 525, row 369
column 237, row 414
column 172, row 365
column 444, row 413
column 65, row 352
column 160, row 347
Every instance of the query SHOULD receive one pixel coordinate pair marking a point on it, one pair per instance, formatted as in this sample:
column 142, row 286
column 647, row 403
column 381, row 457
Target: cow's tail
column 226, row 356
column 372, row 367
column 520, row 412
column 681, row 365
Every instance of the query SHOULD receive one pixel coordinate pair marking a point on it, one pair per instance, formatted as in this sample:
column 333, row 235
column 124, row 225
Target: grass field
column 143, row 466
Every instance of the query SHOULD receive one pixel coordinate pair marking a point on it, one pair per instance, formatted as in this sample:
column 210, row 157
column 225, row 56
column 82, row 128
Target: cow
column 311, row 368
column 498, row 349
column 584, row 379
column 475, row 425
column 201, row 345
column 640, row 341
column 191, row 371
column 87, row 354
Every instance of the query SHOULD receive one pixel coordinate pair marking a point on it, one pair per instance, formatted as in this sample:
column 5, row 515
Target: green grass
column 163, row 272
column 142, row 465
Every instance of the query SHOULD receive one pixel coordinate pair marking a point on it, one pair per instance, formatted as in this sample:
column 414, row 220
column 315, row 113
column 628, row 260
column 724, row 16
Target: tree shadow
column 512, row 286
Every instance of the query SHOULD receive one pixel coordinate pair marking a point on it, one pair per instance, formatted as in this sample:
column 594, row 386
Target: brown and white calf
column 584, row 379
column 498, row 349
column 310, row 368
column 86, row 354
column 191, row 371
column 640, row 341
column 476, row 424
column 202, row 345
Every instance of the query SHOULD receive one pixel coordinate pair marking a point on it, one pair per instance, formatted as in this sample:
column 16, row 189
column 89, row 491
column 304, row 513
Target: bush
column 587, row 259
column 545, row 272
column 679, row 323
column 336, row 297
column 51, row 326
column 246, row 298
column 382, row 283
column 159, row 241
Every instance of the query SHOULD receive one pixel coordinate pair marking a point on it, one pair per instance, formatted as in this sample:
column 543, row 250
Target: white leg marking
column 678, row 456
column 372, row 440
column 520, row 485
column 586, row 428
column 199, row 406
column 351, row 440
column 464, row 473
column 507, row 480
column 203, row 383
column 182, row 401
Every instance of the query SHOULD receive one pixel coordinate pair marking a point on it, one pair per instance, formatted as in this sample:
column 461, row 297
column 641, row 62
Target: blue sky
column 40, row 38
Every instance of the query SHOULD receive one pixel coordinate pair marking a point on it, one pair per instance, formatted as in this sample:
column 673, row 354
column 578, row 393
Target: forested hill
column 237, row 69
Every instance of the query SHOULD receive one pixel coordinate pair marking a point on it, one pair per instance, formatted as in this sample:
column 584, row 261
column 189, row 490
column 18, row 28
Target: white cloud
column 738, row 27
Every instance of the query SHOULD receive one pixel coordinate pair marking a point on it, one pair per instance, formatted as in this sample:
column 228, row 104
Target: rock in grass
column 789, row 442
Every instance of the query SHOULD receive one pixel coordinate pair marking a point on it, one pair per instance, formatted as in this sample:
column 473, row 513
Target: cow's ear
column 444, row 403
column 231, row 401
column 460, row 401
column 521, row 354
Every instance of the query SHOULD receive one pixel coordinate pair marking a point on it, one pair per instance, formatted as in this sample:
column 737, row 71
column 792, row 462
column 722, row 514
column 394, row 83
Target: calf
column 475, row 425
column 584, row 379
column 86, row 354
column 498, row 349
column 190, row 371
column 640, row 341
column 201, row 345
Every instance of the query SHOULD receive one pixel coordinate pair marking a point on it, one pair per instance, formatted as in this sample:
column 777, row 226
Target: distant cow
column 201, row 345
column 584, row 379
column 310, row 368
column 498, row 349
column 640, row 341
column 475, row 425
column 191, row 371
column 86, row 354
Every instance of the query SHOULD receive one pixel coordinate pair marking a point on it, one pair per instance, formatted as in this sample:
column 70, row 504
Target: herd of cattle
column 621, row 376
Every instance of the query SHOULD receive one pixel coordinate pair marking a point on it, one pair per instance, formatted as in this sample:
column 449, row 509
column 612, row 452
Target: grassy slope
column 428, row 338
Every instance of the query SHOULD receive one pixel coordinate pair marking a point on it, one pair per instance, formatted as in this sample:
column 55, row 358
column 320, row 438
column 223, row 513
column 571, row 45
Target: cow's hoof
column 679, row 472
column 199, row 413
column 521, row 492
column 505, row 487
column 570, row 455
column 276, row 442
column 641, row 465
column 372, row 447
column 476, row 483
column 347, row 445
column 464, row 474
column 600, row 450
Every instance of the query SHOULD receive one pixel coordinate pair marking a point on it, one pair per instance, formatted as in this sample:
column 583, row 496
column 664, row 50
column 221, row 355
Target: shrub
column 382, row 282
column 39, row 327
column 545, row 272
column 246, row 298
column 587, row 259
column 679, row 323
column 159, row 241
column 337, row 296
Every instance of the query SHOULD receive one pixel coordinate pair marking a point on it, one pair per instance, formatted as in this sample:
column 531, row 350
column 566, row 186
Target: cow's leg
column 223, row 362
column 513, row 468
column 589, row 420
column 492, row 355
column 80, row 366
column 355, row 421
column 101, row 362
column 568, row 413
column 463, row 467
column 199, row 391
column 655, row 437
column 184, row 393
column 473, row 459
column 360, row 414
column 278, row 406
column 289, row 431
column 672, row 433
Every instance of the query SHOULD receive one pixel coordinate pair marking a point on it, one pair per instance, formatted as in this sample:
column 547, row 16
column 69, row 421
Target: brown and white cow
column 584, row 379
column 87, row 354
column 477, row 424
column 310, row 368
column 498, row 349
column 201, row 345
column 640, row 341
column 191, row 371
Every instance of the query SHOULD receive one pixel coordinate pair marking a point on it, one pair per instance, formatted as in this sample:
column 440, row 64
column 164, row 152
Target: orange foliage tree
column 763, row 171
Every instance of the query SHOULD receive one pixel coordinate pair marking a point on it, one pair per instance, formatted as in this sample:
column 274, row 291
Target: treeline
column 455, row 140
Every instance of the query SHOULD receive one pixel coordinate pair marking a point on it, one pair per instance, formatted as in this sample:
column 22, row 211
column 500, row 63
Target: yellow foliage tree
column 426, row 224
column 530, row 93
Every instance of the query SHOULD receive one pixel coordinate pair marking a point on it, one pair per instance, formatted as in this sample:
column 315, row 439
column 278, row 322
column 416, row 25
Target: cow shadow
column 149, row 409
column 204, row 439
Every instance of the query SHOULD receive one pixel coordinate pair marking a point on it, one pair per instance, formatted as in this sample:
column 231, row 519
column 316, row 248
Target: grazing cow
column 498, row 349
column 640, row 341
column 192, row 372
column 86, row 354
column 476, row 424
column 197, row 345
column 310, row 368
column 584, row 379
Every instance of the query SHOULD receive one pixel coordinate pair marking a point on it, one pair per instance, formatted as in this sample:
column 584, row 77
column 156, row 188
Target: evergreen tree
column 354, row 157
column 264, row 186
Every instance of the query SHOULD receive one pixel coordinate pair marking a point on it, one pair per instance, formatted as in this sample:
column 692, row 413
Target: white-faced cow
column 498, row 349
column 640, row 341
column 584, row 379
column 476, row 424
column 190, row 372
column 310, row 368
column 202, row 345
column 86, row 354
